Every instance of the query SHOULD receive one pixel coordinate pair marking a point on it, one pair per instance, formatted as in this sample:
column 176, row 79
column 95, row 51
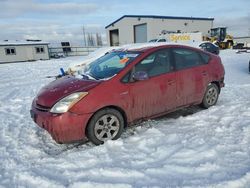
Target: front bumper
column 64, row 128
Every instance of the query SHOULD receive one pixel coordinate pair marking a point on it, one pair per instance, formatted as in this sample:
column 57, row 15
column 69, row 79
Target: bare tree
column 98, row 39
column 91, row 40
column 84, row 36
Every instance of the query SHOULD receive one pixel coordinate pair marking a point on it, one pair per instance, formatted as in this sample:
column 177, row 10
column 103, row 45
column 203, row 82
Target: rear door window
column 186, row 58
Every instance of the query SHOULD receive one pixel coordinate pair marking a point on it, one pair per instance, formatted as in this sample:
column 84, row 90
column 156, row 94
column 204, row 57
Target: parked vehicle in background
column 179, row 37
column 220, row 37
column 158, row 40
column 125, row 86
column 57, row 55
column 210, row 47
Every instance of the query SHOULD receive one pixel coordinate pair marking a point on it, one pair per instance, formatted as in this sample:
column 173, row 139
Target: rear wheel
column 211, row 96
column 106, row 124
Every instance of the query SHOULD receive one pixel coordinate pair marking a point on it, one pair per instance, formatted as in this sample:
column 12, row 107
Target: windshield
column 215, row 32
column 109, row 65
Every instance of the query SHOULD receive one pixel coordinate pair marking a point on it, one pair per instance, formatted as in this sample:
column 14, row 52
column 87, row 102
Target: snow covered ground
column 188, row 148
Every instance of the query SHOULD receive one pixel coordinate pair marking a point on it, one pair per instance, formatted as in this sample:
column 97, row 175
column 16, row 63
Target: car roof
column 148, row 46
column 141, row 47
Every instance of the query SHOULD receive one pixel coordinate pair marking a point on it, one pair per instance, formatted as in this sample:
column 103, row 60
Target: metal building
column 17, row 51
column 142, row 28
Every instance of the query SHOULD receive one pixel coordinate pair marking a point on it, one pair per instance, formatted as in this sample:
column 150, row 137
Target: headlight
column 67, row 102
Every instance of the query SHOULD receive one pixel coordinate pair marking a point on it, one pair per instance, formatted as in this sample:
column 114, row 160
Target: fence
column 71, row 51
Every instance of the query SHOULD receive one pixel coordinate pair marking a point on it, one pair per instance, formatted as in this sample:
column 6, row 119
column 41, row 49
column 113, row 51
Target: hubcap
column 107, row 127
column 211, row 96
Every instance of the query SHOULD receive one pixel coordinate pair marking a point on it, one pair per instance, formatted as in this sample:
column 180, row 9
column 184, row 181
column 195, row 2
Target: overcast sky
column 58, row 20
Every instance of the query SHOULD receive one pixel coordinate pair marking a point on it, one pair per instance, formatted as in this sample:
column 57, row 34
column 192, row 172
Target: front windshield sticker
column 124, row 60
column 108, row 65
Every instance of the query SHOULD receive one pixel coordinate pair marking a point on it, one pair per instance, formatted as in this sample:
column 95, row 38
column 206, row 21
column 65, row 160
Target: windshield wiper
column 88, row 76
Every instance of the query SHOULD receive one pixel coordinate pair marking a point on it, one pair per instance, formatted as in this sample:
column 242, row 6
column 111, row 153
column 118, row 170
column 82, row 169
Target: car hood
column 60, row 88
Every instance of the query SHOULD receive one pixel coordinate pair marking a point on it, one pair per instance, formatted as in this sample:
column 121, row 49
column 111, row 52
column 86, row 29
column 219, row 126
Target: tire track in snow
column 188, row 148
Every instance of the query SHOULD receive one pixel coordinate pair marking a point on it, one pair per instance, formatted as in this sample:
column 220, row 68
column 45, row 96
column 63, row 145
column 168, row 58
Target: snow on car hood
column 61, row 88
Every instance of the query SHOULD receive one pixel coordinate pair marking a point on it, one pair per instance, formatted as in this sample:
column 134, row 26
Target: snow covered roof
column 21, row 43
column 159, row 17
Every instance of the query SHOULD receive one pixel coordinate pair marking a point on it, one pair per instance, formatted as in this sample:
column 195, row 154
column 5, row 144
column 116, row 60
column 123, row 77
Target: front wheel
column 106, row 124
column 211, row 96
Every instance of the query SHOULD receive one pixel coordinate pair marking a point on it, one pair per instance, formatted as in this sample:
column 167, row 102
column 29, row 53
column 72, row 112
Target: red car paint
column 135, row 100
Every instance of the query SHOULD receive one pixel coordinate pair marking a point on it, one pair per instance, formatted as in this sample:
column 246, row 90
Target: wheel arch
column 217, row 83
column 119, row 109
column 204, row 103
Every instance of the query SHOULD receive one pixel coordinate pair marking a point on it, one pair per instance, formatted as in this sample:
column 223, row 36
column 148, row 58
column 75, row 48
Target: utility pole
column 84, row 35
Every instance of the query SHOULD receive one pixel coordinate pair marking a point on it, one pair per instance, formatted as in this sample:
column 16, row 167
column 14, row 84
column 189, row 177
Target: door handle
column 204, row 73
column 124, row 93
column 170, row 82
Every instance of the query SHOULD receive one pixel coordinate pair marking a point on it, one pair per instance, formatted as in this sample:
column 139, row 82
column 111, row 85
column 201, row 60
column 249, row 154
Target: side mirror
column 140, row 75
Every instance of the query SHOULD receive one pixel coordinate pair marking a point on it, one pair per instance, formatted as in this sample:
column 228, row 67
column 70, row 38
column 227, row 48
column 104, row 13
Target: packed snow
column 188, row 148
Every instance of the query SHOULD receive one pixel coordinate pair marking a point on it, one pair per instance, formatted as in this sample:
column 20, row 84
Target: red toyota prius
column 125, row 86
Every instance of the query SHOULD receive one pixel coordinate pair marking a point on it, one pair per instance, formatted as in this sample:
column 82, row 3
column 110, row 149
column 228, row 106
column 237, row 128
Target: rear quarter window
column 187, row 58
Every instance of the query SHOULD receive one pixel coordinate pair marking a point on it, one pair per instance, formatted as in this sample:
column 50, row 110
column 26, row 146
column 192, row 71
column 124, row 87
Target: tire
column 211, row 96
column 106, row 124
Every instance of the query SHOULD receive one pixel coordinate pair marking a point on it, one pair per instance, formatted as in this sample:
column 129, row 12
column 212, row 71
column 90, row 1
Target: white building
column 142, row 28
column 16, row 51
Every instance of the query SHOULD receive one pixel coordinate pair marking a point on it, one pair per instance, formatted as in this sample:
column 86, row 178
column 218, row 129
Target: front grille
column 42, row 108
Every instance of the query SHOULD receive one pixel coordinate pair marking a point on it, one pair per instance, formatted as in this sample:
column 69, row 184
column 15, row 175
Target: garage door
column 140, row 33
column 114, row 37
